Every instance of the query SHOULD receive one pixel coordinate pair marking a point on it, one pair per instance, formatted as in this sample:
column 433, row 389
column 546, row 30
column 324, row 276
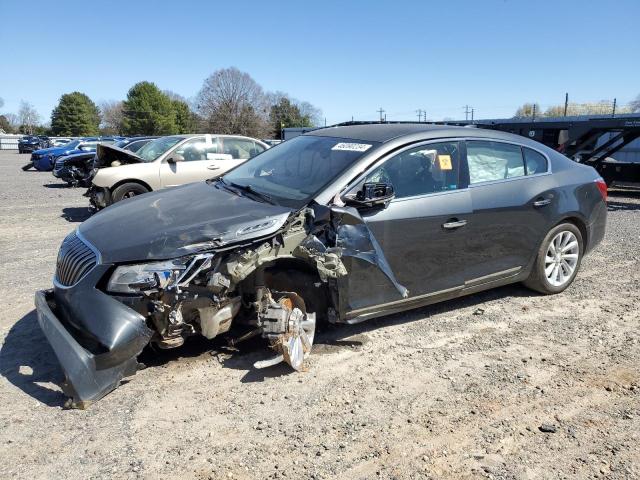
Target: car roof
column 386, row 132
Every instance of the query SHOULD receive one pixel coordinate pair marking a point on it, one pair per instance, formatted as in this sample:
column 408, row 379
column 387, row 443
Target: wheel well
column 131, row 180
column 578, row 222
column 290, row 274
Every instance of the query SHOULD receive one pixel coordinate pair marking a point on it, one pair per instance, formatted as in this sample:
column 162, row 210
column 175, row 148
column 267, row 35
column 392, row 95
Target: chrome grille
column 75, row 260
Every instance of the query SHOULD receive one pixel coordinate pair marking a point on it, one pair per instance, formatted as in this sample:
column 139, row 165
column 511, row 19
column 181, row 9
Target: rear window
column 534, row 161
column 489, row 161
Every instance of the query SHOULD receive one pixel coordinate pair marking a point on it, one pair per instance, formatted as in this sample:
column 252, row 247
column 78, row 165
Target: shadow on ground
column 56, row 185
column 28, row 362
column 76, row 214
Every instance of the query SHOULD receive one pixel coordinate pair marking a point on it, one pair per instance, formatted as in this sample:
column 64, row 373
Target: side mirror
column 175, row 158
column 372, row 194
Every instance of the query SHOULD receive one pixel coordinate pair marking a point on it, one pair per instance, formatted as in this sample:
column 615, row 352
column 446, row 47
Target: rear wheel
column 558, row 260
column 128, row 190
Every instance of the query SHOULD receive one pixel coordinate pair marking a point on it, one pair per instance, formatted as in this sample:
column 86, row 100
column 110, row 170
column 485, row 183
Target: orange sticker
column 445, row 162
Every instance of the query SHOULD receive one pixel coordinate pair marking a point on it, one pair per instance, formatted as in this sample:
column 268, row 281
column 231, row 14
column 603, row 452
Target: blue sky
column 348, row 58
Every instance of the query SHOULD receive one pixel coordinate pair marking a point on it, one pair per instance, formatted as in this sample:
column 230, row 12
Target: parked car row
column 30, row 143
column 341, row 224
column 44, row 159
column 76, row 169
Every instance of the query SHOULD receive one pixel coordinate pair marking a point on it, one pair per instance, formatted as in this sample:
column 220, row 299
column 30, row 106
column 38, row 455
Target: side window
column 425, row 169
column 239, row 148
column 493, row 161
column 534, row 161
column 88, row 147
column 257, row 149
column 197, row 149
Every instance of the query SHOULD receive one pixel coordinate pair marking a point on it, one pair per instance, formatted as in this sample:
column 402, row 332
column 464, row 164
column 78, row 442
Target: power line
column 466, row 112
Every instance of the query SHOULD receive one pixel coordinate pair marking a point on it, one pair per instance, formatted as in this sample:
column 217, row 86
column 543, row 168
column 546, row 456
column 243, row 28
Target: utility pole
column 566, row 103
column 381, row 111
column 466, row 112
column 534, row 111
column 419, row 111
column 613, row 114
column 472, row 110
column 425, row 115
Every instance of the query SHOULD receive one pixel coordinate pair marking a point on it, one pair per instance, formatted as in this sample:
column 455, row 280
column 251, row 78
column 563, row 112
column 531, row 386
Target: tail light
column 602, row 186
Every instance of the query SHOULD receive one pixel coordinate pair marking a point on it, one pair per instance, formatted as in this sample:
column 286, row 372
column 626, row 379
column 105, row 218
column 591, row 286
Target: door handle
column 213, row 167
column 542, row 203
column 454, row 224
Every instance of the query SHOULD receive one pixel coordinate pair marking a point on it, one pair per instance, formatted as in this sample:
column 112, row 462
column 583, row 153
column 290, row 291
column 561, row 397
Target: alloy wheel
column 561, row 258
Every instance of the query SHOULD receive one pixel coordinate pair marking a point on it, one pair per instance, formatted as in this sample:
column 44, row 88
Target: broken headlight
column 146, row 276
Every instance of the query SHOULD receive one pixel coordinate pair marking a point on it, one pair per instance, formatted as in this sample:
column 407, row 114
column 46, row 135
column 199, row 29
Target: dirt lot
column 456, row 390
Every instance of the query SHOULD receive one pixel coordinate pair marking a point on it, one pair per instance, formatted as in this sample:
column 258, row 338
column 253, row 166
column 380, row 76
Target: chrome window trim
column 502, row 180
column 432, row 194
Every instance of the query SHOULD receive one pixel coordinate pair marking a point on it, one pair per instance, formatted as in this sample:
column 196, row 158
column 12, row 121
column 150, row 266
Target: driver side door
column 421, row 231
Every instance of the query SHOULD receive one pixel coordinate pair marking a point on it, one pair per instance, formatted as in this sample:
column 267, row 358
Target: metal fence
column 9, row 142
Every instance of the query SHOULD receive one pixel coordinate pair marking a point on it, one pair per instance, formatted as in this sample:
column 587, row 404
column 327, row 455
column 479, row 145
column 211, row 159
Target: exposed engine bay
column 277, row 287
column 76, row 170
column 210, row 292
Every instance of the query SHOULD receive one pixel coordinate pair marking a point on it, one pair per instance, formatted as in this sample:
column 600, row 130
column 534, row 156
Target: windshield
column 295, row 171
column 155, row 148
column 72, row 144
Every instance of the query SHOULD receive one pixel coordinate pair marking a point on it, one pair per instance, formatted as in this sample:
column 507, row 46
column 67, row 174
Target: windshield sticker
column 445, row 162
column 352, row 147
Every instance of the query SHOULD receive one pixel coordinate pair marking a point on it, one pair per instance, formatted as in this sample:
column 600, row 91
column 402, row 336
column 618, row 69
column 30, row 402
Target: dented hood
column 178, row 221
column 106, row 154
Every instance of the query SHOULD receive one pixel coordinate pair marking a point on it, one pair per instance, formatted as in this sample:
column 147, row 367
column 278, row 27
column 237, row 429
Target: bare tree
column 528, row 110
column 28, row 116
column 112, row 116
column 635, row 105
column 231, row 102
column 13, row 120
column 313, row 113
column 1, row 102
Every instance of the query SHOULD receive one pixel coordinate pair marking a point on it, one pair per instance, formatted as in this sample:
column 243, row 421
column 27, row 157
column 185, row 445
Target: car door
column 239, row 149
column 512, row 208
column 194, row 160
column 422, row 231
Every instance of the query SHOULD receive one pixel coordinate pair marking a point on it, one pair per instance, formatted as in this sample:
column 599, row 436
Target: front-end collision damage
column 89, row 376
column 223, row 288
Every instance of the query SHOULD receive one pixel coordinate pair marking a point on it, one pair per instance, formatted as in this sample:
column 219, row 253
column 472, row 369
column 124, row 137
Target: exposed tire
column 558, row 260
column 128, row 190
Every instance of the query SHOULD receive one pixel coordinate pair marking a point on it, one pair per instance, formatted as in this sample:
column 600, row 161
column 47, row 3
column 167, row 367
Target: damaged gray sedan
column 339, row 225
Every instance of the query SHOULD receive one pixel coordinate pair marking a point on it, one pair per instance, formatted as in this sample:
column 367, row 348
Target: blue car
column 45, row 159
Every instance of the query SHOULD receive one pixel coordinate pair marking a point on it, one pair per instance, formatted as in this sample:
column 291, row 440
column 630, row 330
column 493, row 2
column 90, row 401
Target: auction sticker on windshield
column 352, row 147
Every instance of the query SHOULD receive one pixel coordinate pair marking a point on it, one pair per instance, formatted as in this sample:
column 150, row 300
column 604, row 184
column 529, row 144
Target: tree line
column 530, row 110
column 229, row 102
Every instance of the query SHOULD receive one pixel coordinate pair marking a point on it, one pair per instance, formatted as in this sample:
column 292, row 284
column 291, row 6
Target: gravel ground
column 462, row 389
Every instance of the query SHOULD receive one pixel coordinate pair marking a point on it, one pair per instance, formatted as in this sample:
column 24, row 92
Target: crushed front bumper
column 99, row 197
column 88, row 376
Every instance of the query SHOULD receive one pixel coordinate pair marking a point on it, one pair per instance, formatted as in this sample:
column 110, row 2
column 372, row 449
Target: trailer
column 577, row 137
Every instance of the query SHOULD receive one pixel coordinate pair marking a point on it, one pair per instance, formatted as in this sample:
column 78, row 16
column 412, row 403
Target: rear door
column 239, row 150
column 197, row 159
column 422, row 232
column 512, row 208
